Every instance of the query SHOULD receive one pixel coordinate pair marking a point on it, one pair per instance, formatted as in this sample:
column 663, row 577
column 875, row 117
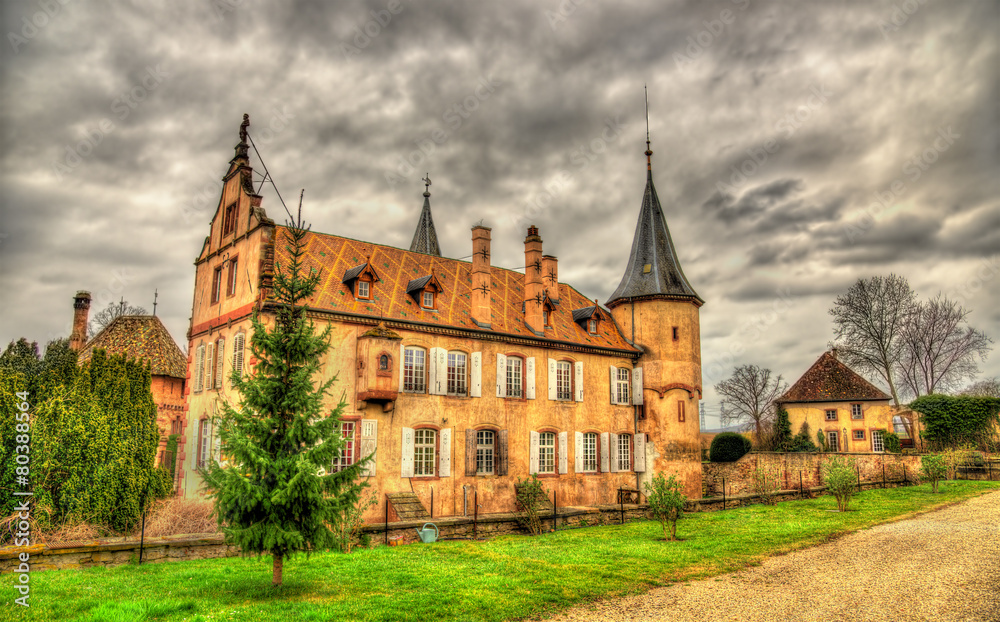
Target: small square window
column 364, row 289
column 831, row 415
column 859, row 435
column 429, row 300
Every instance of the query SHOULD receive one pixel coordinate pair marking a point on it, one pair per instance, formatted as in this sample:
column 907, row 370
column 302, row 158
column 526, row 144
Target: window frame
column 481, row 452
column 423, row 299
column 623, row 386
column 878, row 438
column 830, row 436
column 522, row 366
column 596, row 453
column 229, row 219
column 421, row 461
column 570, row 393
column 464, row 392
column 625, row 452
column 860, row 411
column 827, row 412
column 555, row 452
column 204, row 438
column 592, row 326
column 216, row 293
column 339, row 463
column 412, row 370
column 857, row 435
column 357, row 289
column 232, row 276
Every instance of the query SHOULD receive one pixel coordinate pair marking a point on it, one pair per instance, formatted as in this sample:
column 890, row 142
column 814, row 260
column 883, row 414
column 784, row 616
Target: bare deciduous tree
column 988, row 387
column 108, row 314
column 939, row 350
column 749, row 397
column 868, row 325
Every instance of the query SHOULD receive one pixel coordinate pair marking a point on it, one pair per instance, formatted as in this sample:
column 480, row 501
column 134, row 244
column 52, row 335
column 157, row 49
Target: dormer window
column 229, row 220
column 588, row 317
column 425, row 291
column 545, row 319
column 361, row 279
column 592, row 326
column 547, row 309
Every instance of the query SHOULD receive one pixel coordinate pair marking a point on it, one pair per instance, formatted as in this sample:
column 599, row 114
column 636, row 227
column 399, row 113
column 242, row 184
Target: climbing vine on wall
column 957, row 420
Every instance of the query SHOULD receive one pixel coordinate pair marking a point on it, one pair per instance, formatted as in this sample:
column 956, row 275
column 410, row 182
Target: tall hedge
column 728, row 447
column 957, row 420
column 93, row 444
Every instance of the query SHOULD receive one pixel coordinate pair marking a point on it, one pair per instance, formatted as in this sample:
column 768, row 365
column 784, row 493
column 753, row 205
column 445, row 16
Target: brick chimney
column 534, row 290
column 550, row 276
column 81, row 313
column 482, row 289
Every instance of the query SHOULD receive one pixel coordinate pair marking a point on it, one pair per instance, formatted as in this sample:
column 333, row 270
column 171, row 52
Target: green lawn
column 510, row 577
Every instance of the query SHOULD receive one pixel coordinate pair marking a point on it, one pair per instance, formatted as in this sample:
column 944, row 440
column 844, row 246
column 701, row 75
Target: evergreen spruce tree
column 782, row 430
column 273, row 494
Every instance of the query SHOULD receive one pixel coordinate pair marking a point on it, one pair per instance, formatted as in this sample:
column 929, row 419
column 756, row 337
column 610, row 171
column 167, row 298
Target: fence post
column 905, row 481
column 475, row 514
column 883, row 476
column 990, row 464
column 621, row 504
column 858, row 470
column 555, row 509
column 386, row 541
column 801, row 489
column 432, row 502
column 723, row 493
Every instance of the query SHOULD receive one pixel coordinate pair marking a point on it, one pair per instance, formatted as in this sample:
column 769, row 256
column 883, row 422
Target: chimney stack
column 81, row 313
column 550, row 276
column 833, row 353
column 481, row 281
column 534, row 290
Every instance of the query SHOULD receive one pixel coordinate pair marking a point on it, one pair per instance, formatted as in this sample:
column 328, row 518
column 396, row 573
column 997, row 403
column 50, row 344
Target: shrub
column 347, row 525
column 782, row 439
column 840, row 479
column 933, row 469
column 766, row 483
column 729, row 447
column 530, row 494
column 802, row 442
column 821, row 441
column 666, row 501
column 890, row 441
column 950, row 420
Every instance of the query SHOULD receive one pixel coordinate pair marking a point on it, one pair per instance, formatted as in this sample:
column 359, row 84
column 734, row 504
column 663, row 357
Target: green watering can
column 428, row 535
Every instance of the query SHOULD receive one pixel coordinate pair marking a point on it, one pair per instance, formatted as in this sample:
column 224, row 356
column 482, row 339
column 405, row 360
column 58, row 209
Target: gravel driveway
column 943, row 566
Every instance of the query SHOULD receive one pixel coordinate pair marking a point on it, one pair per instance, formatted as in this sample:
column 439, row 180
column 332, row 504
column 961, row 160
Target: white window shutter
column 369, row 445
column 529, row 377
column 476, row 375
column 552, row 379
column 209, row 355
column 433, row 378
column 564, row 452
column 639, row 452
column 614, row 452
column 239, row 342
column 406, row 456
column 605, row 453
column 440, row 371
column 216, row 443
column 444, row 459
column 579, row 380
column 220, row 365
column 614, row 384
column 533, row 453
column 637, row 385
column 578, row 454
column 199, row 362
column 399, row 366
column 501, row 375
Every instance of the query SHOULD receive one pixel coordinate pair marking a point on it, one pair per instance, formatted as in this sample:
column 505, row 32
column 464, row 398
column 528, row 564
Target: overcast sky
column 797, row 146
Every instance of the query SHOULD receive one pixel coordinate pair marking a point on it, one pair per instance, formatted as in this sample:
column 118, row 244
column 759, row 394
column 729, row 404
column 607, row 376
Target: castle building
column 463, row 376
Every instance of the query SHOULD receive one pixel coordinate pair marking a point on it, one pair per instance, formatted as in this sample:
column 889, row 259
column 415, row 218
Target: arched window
column 383, row 362
column 424, row 452
column 414, row 370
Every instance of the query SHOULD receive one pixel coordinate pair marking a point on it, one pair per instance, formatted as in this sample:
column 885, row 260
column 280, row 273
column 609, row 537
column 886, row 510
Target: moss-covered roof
column 142, row 337
column 829, row 380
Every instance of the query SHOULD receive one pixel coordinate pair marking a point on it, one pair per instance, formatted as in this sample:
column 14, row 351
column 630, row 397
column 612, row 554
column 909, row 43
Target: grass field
column 508, row 578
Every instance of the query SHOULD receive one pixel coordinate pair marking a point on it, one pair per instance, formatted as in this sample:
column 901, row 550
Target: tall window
column 428, row 300
column 415, row 370
column 590, row 452
column 229, row 220
column 346, row 457
column 831, row 415
column 515, row 377
column 622, row 386
column 216, row 284
column 877, row 441
column 457, row 368
column 592, row 326
column 231, row 281
column 856, row 412
column 204, row 443
column 423, row 452
column 833, row 440
column 564, row 380
column 364, row 290
column 624, row 452
column 547, row 452
column 546, row 318
column 485, row 452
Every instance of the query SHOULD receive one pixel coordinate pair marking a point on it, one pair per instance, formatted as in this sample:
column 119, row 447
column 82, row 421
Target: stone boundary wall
column 789, row 467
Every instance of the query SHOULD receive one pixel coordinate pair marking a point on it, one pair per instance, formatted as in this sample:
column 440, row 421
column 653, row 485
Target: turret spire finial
column 243, row 128
column 649, row 152
column 427, row 185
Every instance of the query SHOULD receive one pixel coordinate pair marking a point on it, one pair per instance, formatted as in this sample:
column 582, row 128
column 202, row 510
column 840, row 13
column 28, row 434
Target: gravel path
column 943, row 566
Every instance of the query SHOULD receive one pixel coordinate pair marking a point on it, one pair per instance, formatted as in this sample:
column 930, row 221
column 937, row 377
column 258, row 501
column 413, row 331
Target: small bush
column 890, row 441
column 347, row 526
column 840, row 479
column 766, row 483
column 802, row 442
column 821, row 441
column 666, row 501
column 933, row 468
column 729, row 447
column 530, row 494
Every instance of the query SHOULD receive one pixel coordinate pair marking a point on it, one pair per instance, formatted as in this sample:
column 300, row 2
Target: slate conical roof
column 653, row 247
column 142, row 337
column 425, row 239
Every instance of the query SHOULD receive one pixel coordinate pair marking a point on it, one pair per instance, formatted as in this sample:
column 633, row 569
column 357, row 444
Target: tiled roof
column 829, row 380
column 418, row 284
column 585, row 313
column 142, row 337
column 397, row 268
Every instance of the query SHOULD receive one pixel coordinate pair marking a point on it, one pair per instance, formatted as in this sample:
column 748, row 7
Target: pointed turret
column 653, row 268
column 425, row 239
